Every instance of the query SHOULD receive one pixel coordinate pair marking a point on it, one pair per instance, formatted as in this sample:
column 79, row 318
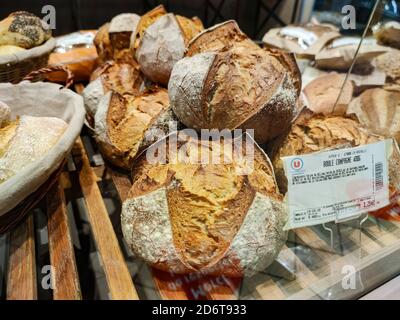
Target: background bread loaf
column 124, row 123
column 379, row 111
column 184, row 216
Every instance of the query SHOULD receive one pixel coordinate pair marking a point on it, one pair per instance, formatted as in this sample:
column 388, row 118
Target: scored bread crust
column 234, row 84
column 314, row 133
column 124, row 124
column 179, row 221
column 161, row 46
column 121, row 28
column 378, row 110
column 122, row 77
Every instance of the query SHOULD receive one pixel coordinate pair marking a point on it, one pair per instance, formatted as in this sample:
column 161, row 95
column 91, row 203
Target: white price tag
column 338, row 184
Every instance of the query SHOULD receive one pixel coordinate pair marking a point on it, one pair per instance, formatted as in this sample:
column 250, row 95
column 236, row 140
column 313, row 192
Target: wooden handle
column 68, row 81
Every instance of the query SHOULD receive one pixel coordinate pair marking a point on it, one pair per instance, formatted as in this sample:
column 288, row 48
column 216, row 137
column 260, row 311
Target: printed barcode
column 378, row 176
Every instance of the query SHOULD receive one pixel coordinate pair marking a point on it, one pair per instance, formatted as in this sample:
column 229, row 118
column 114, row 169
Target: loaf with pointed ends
column 23, row 29
column 379, row 111
column 126, row 124
column 162, row 44
column 183, row 216
column 325, row 95
column 26, row 140
column 234, row 84
column 313, row 133
column 120, row 76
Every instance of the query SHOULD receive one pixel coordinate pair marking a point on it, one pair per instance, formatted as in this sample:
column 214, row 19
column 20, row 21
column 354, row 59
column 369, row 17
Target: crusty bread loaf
column 234, row 84
column 112, row 40
column 26, row 140
column 379, row 111
column 145, row 21
column 389, row 63
column 312, row 133
column 123, row 124
column 122, row 77
column 323, row 92
column 162, row 44
column 183, row 216
column 5, row 113
column 23, row 29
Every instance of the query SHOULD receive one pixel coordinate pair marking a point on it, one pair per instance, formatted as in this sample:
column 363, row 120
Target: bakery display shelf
column 310, row 265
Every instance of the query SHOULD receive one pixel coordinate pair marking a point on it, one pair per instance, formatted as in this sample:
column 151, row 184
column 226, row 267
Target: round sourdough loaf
column 378, row 110
column 186, row 216
column 162, row 44
column 126, row 124
column 121, row 76
column 313, row 133
column 228, row 82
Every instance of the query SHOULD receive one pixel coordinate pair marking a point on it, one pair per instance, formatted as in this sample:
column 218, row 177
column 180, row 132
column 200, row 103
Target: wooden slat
column 62, row 257
column 21, row 278
column 117, row 274
column 169, row 287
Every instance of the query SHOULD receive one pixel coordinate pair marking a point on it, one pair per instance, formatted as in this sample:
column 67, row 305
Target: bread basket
column 23, row 190
column 14, row 67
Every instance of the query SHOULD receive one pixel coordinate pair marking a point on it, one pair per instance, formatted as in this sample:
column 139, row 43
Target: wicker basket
column 13, row 68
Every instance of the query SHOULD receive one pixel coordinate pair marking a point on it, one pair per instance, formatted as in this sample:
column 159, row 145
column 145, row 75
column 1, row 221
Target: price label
column 337, row 184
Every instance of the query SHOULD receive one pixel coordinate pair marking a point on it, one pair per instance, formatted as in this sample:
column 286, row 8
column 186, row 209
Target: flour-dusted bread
column 323, row 92
column 27, row 140
column 112, row 40
column 389, row 63
column 313, row 133
column 5, row 114
column 119, row 76
column 379, row 111
column 162, row 44
column 126, row 124
column 9, row 49
column 183, row 216
column 23, row 29
column 234, row 84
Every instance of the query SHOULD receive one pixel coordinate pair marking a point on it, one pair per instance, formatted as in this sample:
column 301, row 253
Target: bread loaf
column 389, row 34
column 8, row 49
column 183, row 216
column 379, row 111
column 27, row 140
column 23, row 29
column 389, row 63
column 122, row 77
column 323, row 92
column 234, row 84
column 5, row 113
column 113, row 38
column 162, row 44
column 124, row 124
column 316, row 133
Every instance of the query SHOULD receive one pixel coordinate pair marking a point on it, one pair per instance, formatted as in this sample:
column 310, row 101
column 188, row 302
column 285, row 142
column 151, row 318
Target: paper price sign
column 337, row 184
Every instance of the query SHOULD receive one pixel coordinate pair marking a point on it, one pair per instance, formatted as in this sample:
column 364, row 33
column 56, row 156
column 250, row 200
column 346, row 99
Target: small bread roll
column 23, row 29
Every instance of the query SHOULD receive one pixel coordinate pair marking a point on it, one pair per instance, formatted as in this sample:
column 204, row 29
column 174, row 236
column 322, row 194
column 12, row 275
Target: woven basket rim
column 35, row 52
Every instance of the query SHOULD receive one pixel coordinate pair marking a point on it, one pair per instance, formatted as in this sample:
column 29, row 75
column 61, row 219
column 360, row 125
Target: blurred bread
column 323, row 92
column 23, row 29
